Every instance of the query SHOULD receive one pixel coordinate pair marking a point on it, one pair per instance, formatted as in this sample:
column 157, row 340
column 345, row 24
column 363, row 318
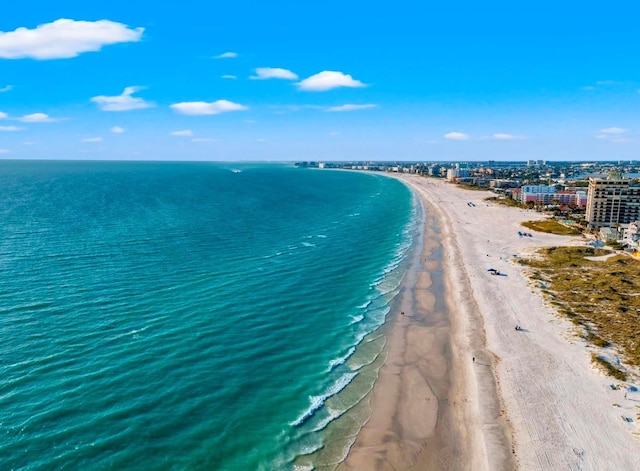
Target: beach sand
column 461, row 388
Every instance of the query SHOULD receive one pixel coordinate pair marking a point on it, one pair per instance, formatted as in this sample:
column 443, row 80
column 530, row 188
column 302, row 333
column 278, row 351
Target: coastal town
column 544, row 353
column 601, row 199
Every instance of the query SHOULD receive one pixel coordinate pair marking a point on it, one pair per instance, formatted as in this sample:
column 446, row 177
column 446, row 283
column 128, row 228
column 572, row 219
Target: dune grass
column 551, row 226
column 467, row 186
column 505, row 201
column 602, row 296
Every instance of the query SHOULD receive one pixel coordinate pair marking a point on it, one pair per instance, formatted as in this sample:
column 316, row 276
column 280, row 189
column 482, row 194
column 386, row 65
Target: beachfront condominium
column 612, row 202
column 549, row 194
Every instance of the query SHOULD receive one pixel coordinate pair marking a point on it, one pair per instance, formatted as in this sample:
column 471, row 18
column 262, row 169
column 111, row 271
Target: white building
column 631, row 235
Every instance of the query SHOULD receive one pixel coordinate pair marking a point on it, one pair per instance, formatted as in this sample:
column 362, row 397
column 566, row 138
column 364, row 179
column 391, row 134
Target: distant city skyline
column 332, row 81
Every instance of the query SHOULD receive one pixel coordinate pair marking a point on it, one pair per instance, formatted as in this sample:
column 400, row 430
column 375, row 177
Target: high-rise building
column 612, row 202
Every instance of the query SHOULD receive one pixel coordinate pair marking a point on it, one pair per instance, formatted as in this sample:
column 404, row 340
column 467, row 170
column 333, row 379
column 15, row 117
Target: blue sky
column 286, row 80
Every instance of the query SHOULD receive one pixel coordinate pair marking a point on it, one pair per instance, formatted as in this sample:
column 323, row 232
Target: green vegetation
column 472, row 187
column 602, row 297
column 608, row 367
column 615, row 245
column 552, row 226
column 505, row 201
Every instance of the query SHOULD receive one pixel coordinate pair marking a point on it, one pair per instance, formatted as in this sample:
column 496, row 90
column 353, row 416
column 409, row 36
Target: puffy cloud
column 349, row 107
column 505, row 136
column 226, row 55
column 3, row 115
column 184, row 133
column 264, row 73
column 613, row 130
column 459, row 136
column 204, row 108
column 92, row 139
column 117, row 130
column 64, row 39
column 124, row 102
column 6, row 89
column 327, row 80
column 230, row 77
column 37, row 118
column 10, row 128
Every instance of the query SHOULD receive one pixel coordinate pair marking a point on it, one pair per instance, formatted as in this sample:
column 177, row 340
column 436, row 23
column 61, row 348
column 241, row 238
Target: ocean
column 192, row 315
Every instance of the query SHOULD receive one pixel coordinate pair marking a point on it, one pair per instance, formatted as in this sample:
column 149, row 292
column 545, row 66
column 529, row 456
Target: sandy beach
column 461, row 388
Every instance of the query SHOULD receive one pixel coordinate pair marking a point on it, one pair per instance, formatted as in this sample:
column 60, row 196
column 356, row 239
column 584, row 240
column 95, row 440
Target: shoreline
column 530, row 400
column 422, row 417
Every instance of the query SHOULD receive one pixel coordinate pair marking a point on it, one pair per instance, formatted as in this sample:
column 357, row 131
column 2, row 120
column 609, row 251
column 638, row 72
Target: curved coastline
column 531, row 400
column 431, row 406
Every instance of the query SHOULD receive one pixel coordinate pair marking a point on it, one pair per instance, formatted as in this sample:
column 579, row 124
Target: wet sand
column 531, row 400
column 426, row 402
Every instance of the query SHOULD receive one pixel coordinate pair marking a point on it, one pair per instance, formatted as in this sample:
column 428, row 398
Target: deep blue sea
column 192, row 315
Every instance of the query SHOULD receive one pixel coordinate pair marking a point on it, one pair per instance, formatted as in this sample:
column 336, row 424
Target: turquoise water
column 190, row 315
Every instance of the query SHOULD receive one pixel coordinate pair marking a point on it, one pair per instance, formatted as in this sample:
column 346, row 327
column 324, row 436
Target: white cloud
column 6, row 89
column 10, row 128
column 456, row 136
column 92, row 139
column 226, row 55
column 3, row 115
column 184, row 133
column 264, row 73
column 613, row 130
column 117, row 130
column 204, row 108
column 37, row 118
column 230, row 77
column 613, row 134
column 327, row 80
column 4, row 151
column 505, row 136
column 124, row 102
column 64, row 39
column 260, row 139
column 349, row 107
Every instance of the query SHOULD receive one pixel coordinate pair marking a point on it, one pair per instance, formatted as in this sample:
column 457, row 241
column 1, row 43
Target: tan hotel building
column 612, row 201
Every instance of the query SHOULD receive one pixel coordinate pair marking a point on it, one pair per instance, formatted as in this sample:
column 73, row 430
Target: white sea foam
column 365, row 305
column 333, row 415
column 308, row 244
column 309, row 449
column 322, row 236
column 339, row 361
column 356, row 319
column 308, row 467
column 318, row 401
